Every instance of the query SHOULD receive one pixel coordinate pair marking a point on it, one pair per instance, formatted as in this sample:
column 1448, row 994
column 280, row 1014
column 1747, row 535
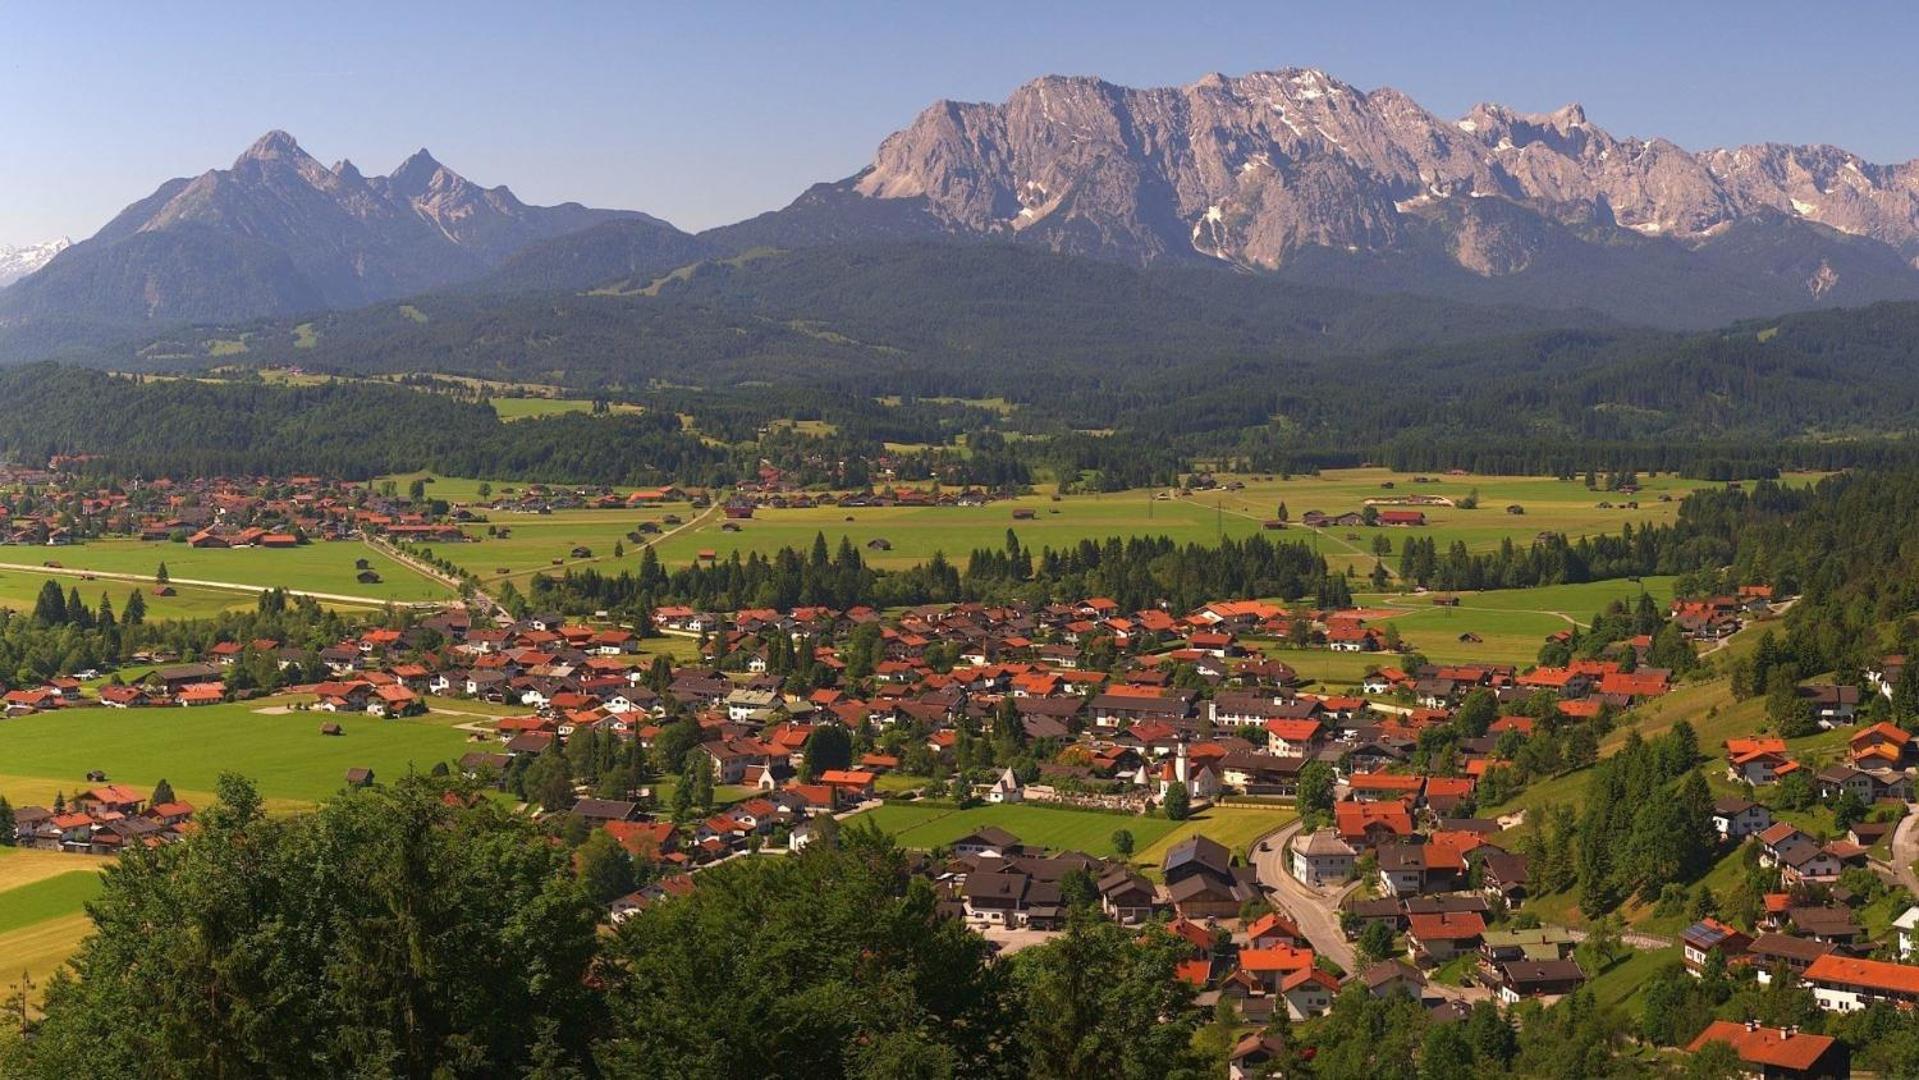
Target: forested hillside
column 354, row 431
column 1077, row 343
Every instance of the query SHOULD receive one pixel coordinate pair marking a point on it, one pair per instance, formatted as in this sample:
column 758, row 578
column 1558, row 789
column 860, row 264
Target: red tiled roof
column 1764, row 1045
column 1876, row 974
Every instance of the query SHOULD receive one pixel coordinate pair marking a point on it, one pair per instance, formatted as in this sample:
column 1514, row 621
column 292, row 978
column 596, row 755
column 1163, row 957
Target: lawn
column 1620, row 986
column 318, row 567
column 923, row 826
column 285, row 755
column 1234, row 826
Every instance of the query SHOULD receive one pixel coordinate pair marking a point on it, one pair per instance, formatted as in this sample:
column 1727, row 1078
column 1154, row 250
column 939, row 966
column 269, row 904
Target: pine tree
column 50, row 608
column 136, row 608
column 7, row 837
column 162, row 793
column 161, row 575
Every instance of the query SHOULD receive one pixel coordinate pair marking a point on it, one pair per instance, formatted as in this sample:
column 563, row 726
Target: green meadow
column 283, row 753
column 926, row 826
column 19, row 589
column 317, row 567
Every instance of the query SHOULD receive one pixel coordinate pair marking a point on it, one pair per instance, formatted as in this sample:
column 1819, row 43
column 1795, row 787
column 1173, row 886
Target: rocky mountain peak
column 416, row 174
column 1255, row 169
column 274, row 145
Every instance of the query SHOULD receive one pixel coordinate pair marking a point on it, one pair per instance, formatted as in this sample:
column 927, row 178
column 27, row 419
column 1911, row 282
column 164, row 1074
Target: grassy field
column 1510, row 623
column 1237, row 827
column 284, row 754
column 20, row 588
column 1550, row 506
column 1620, row 985
column 41, row 916
column 524, row 408
column 916, row 533
column 316, row 567
column 536, row 540
column 1091, row 832
column 48, row 898
column 40, row 948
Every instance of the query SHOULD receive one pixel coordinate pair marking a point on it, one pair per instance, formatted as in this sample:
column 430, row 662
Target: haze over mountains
column 1290, row 175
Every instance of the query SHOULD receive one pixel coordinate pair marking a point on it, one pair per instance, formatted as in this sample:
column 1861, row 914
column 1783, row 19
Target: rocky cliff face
column 1253, row 170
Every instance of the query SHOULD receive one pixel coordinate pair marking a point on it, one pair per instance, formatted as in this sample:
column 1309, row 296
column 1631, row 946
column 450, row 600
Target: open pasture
column 898, row 537
column 534, row 541
column 324, row 567
column 283, row 753
column 19, row 589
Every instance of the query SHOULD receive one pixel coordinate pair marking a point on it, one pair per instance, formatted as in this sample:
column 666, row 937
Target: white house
column 1907, row 926
column 1322, row 858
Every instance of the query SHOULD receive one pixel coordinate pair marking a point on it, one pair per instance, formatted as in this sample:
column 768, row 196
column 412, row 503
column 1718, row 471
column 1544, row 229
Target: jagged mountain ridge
column 279, row 232
column 1255, row 170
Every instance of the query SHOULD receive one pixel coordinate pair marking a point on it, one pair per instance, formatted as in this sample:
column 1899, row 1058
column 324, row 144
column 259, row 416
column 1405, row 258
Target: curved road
column 1315, row 910
column 1905, row 851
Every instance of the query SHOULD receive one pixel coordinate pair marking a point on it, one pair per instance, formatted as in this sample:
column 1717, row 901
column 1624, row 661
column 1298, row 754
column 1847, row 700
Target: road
column 1316, row 911
column 1905, row 851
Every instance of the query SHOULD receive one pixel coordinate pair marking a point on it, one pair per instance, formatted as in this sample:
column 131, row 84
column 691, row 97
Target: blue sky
column 704, row 113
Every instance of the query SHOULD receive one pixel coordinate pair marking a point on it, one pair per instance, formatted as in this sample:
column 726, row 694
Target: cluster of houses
column 105, row 819
column 1815, row 939
column 1877, row 767
column 1717, row 617
column 1437, row 879
column 212, row 512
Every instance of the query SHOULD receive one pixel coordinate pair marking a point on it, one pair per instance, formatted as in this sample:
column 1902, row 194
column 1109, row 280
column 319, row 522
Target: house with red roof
column 1777, row 1052
column 1847, row 984
column 1437, row 938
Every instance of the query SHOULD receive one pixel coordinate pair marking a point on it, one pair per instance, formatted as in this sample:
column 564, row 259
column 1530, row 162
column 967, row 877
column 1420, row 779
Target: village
column 1355, row 854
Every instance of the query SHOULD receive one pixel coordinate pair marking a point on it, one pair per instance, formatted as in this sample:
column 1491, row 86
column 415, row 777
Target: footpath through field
column 233, row 586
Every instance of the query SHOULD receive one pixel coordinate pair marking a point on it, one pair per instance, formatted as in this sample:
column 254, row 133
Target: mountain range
column 1290, row 175
column 279, row 232
column 1298, row 174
